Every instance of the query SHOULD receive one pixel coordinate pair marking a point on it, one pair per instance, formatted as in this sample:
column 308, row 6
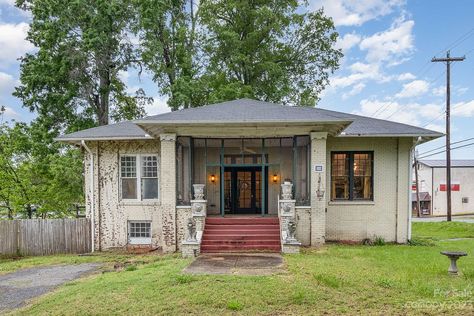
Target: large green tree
column 73, row 78
column 226, row 49
column 36, row 181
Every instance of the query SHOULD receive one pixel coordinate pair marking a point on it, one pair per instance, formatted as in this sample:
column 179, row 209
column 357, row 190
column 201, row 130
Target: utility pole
column 448, row 60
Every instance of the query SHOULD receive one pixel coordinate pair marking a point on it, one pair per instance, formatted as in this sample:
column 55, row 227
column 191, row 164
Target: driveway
column 464, row 219
column 17, row 288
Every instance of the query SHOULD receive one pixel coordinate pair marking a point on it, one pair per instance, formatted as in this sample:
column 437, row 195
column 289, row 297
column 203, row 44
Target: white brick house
column 350, row 177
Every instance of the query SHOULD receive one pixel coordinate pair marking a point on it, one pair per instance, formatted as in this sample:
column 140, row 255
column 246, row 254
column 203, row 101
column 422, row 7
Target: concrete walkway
column 18, row 287
column 464, row 219
column 237, row 264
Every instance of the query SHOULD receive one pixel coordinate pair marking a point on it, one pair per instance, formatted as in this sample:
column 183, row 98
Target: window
column 139, row 232
column 352, row 176
column 141, row 185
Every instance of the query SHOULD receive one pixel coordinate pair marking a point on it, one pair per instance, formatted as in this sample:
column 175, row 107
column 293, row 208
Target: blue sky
column 386, row 72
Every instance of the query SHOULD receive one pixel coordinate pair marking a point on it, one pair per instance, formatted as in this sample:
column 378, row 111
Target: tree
column 168, row 37
column 228, row 49
column 34, row 180
column 73, row 79
column 267, row 50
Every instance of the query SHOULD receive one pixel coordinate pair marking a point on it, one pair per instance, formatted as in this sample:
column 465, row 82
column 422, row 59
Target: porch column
column 318, row 180
column 168, row 190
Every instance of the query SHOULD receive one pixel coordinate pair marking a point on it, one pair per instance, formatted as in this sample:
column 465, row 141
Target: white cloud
column 13, row 42
column 463, row 109
column 439, row 91
column 7, row 2
column 158, row 106
column 414, row 88
column 7, row 83
column 350, row 12
column 406, row 76
column 389, row 45
column 356, row 89
column 348, row 41
column 408, row 113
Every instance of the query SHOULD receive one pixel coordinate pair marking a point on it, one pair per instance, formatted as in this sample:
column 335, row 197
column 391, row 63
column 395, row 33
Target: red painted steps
column 241, row 234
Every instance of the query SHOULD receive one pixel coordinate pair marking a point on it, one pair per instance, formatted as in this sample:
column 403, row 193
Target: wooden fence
column 45, row 236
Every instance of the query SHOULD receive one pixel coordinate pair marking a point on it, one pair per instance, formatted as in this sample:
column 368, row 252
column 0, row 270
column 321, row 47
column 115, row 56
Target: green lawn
column 337, row 279
column 443, row 230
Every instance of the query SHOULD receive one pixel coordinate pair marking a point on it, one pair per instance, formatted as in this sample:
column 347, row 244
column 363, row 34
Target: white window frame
column 138, row 158
column 138, row 240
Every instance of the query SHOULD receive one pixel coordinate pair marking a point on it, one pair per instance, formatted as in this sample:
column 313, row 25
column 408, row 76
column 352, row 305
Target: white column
column 318, row 178
column 168, row 190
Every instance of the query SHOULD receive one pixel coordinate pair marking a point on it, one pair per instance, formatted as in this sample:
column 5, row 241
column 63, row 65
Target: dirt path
column 18, row 287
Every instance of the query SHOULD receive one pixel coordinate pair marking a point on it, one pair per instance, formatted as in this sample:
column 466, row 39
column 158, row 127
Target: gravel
column 17, row 288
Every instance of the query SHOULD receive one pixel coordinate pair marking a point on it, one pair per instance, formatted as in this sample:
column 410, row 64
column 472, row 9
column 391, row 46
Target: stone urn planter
column 287, row 190
column 198, row 191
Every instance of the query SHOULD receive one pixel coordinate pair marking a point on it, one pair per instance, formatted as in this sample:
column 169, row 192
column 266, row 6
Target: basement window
column 139, row 232
column 139, row 177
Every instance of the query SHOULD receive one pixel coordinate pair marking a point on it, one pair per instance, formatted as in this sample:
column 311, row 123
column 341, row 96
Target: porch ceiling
column 238, row 130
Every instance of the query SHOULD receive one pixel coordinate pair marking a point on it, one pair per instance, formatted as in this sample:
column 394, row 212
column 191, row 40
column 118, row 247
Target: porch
column 250, row 194
column 243, row 176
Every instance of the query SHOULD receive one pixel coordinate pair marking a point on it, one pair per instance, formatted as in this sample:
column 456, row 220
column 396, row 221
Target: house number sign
column 318, row 168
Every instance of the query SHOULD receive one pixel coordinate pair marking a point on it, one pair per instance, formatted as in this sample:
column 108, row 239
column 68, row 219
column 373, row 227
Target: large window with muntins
column 352, row 176
column 139, row 177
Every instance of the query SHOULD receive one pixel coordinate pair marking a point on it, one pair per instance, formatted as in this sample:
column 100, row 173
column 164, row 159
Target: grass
column 443, row 230
column 334, row 280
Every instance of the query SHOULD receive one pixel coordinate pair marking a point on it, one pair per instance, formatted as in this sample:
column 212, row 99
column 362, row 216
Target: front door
column 243, row 190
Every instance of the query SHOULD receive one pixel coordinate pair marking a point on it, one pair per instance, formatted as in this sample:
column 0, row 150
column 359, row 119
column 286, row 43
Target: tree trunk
column 29, row 211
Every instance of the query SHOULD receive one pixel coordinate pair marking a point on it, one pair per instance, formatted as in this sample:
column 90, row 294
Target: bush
column 130, row 268
column 379, row 241
column 235, row 305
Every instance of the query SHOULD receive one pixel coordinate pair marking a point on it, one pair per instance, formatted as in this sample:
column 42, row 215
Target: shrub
column 235, row 305
column 379, row 241
column 130, row 268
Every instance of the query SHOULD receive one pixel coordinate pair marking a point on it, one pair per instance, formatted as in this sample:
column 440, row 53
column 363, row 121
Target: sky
column 386, row 71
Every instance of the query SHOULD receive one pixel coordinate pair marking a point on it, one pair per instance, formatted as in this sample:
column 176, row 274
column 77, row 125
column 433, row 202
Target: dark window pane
column 340, row 188
column 340, row 176
column 129, row 188
column 150, row 188
column 362, row 176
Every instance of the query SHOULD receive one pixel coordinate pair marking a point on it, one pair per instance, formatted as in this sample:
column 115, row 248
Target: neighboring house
column 432, row 182
column 350, row 174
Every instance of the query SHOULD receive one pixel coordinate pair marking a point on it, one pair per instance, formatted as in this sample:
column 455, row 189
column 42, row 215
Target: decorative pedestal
column 287, row 214
column 191, row 246
column 190, row 249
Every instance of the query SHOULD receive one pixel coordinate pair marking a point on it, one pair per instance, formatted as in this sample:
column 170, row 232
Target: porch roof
column 260, row 118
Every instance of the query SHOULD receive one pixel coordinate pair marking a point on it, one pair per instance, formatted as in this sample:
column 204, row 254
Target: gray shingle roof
column 441, row 163
column 252, row 111
column 122, row 130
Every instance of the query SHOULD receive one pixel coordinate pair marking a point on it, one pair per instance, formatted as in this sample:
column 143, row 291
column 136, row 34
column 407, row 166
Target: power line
column 453, row 45
column 442, row 151
column 457, row 142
